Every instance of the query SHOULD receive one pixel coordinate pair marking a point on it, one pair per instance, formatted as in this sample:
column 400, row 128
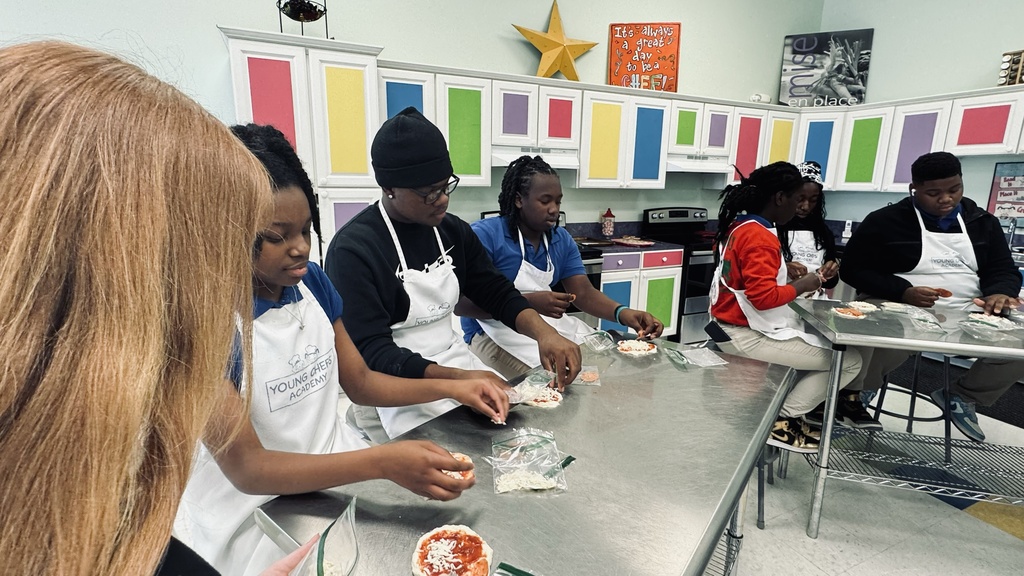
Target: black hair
column 754, row 192
column 814, row 221
column 516, row 182
column 935, row 166
column 278, row 156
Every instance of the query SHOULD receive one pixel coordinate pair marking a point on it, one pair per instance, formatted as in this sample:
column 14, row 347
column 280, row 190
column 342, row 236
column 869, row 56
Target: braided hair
column 814, row 221
column 516, row 183
column 276, row 154
column 754, row 192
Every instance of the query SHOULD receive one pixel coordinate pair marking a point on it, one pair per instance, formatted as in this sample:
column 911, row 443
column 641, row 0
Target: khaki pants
column 496, row 357
column 984, row 383
column 813, row 362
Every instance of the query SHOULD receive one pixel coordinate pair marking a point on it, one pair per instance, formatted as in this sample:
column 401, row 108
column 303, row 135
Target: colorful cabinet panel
column 624, row 288
column 658, row 293
column 986, row 124
column 464, row 117
column 780, row 138
column 624, row 141
column 513, row 113
column 399, row 89
column 559, row 113
column 337, row 207
column 863, row 148
column 745, row 152
column 687, row 118
column 345, row 116
column 818, row 139
column 716, row 130
column 917, row 129
column 270, row 87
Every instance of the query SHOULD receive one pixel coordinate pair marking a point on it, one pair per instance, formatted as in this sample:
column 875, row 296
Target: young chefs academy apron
column 427, row 330
column 947, row 261
column 295, row 406
column 533, row 279
column 805, row 250
column 779, row 323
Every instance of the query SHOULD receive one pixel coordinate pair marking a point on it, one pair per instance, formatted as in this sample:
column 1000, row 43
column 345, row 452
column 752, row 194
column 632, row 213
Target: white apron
column 533, row 279
column 780, row 323
column 805, row 251
column 947, row 261
column 427, row 330
column 295, row 404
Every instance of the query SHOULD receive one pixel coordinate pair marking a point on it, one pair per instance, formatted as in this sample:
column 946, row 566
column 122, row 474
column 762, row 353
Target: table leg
column 821, row 471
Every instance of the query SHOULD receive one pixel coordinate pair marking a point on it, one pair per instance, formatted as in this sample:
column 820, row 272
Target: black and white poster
column 825, row 68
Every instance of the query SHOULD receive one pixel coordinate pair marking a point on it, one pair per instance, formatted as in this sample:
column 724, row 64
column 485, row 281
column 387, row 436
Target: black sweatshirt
column 362, row 263
column 888, row 242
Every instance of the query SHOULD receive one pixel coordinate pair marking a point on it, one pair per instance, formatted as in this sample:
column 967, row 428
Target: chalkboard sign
column 644, row 55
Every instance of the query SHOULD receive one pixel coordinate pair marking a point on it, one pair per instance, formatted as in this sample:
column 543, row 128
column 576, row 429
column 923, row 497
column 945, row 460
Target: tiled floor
column 868, row 530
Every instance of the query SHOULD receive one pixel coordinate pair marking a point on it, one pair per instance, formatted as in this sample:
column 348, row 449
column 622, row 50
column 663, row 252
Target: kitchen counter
column 618, row 248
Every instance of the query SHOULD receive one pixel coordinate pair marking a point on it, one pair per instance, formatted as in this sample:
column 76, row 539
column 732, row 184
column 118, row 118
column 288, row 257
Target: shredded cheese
column 522, row 480
column 636, row 347
column 862, row 306
column 997, row 322
column 440, row 556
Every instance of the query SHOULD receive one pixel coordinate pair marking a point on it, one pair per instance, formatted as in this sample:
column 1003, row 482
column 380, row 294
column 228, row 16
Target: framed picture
column 1006, row 198
column 644, row 55
column 825, row 68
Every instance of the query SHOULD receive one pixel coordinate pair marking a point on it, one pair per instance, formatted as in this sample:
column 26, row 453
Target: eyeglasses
column 432, row 196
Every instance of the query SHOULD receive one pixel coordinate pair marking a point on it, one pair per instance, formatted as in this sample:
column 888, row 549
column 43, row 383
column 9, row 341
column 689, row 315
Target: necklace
column 299, row 316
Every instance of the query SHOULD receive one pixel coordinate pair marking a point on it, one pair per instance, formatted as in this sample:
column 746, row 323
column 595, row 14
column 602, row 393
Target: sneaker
column 850, row 412
column 786, row 434
column 866, row 396
column 810, row 430
column 961, row 414
column 815, row 417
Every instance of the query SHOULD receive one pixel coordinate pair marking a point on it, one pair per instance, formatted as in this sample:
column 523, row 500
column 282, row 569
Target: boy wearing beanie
column 401, row 266
column 902, row 253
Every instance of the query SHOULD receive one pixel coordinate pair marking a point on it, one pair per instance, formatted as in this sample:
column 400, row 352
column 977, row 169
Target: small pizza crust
column 589, row 376
column 897, row 307
column 452, row 549
column 943, row 293
column 636, row 347
column 851, row 313
column 862, row 306
column 460, row 474
column 546, row 398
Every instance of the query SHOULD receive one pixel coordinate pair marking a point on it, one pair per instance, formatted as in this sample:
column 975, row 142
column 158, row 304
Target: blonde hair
column 129, row 214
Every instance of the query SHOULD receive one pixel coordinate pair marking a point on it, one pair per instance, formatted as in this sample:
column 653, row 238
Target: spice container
column 608, row 224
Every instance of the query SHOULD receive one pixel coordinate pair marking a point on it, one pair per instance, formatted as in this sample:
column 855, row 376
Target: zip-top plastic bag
column 337, row 551
column 527, row 460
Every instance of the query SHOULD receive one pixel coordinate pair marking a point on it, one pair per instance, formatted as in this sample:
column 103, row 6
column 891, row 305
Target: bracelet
column 618, row 311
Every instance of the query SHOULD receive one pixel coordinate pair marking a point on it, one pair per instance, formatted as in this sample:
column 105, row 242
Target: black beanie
column 409, row 152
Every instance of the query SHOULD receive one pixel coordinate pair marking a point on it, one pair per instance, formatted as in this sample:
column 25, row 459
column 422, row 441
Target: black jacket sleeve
column 180, row 560
column 997, row 272
column 484, row 285
column 882, row 245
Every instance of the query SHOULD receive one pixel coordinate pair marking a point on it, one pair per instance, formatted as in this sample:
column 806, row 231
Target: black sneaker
column 810, row 430
column 786, row 434
column 850, row 412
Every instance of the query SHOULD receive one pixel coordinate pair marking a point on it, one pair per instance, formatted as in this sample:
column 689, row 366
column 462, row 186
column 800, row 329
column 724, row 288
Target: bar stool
column 914, row 395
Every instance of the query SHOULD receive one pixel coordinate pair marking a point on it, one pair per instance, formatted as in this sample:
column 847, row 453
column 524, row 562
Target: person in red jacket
column 750, row 296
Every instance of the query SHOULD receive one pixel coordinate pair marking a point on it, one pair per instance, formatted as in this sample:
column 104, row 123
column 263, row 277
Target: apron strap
column 547, row 250
column 398, row 245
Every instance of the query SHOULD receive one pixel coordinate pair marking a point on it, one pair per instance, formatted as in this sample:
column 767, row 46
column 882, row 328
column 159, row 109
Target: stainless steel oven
column 687, row 226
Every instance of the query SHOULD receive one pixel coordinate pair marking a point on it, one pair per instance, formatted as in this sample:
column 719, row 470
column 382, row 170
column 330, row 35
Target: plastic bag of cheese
column 527, row 460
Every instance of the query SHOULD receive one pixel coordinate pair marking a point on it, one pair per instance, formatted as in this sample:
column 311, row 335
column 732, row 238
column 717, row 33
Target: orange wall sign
column 644, row 55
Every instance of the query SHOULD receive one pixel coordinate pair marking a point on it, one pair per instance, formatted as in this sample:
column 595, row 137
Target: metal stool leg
column 881, row 396
column 784, row 464
column 913, row 393
column 945, row 388
column 760, row 489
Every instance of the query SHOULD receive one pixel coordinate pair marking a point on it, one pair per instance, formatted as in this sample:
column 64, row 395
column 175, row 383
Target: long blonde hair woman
column 128, row 214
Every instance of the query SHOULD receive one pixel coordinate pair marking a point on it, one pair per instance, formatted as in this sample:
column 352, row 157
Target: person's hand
column 829, row 269
column 561, row 356
column 549, row 303
column 795, row 270
column 485, row 394
column 417, row 465
column 284, row 566
column 996, row 303
column 920, row 296
column 646, row 325
column 806, row 283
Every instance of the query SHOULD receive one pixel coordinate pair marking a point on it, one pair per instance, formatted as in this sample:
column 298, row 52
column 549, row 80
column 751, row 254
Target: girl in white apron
column 751, row 316
column 529, row 203
column 808, row 245
column 292, row 435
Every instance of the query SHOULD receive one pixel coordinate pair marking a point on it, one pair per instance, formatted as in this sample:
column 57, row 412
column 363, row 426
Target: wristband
column 618, row 310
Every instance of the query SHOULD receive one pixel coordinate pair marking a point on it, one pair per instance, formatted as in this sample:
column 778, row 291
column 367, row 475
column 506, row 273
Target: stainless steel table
column 962, row 468
column 663, row 453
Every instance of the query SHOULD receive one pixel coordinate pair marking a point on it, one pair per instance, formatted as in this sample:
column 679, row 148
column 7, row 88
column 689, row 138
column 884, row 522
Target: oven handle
column 702, row 259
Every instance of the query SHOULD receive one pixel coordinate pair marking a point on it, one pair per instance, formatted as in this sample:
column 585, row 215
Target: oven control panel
column 674, row 215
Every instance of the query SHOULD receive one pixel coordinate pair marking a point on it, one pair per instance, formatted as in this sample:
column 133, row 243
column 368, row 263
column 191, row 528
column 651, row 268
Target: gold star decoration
column 558, row 53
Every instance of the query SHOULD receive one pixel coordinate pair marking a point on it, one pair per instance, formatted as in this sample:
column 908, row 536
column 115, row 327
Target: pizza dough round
column 546, row 398
column 896, row 307
column 636, row 347
column 851, row 313
column 589, row 376
column 862, row 306
column 943, row 293
column 451, row 549
column 460, row 474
